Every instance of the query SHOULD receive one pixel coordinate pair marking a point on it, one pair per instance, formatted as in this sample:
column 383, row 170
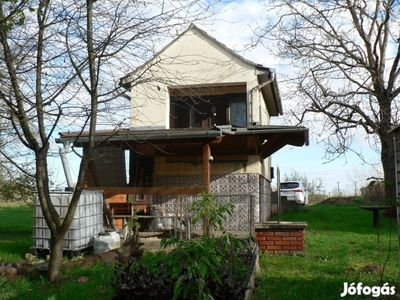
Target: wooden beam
column 109, row 191
column 217, row 140
column 206, row 89
column 276, row 139
column 256, row 141
column 206, row 168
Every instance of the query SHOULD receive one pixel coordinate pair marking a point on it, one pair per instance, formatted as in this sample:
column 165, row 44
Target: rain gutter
column 257, row 88
column 151, row 136
column 285, row 130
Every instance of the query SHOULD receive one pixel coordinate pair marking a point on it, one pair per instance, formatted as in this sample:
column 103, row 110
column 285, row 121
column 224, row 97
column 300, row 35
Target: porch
column 157, row 167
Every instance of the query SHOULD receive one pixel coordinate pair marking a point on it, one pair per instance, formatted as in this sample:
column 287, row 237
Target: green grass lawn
column 341, row 246
column 15, row 232
column 15, row 241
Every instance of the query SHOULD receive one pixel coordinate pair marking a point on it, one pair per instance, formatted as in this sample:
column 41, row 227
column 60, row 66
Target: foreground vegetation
column 341, row 246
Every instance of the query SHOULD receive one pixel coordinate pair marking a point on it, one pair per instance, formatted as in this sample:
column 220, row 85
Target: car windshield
column 289, row 185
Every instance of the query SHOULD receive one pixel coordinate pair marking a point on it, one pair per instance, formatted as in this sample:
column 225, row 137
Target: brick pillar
column 283, row 237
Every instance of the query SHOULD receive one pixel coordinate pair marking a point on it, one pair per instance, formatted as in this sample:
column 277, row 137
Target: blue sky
column 310, row 162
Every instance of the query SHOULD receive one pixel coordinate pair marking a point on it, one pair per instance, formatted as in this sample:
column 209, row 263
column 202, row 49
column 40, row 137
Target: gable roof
column 266, row 76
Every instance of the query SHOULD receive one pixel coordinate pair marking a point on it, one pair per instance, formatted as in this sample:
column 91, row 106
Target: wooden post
column 181, row 223
column 206, row 168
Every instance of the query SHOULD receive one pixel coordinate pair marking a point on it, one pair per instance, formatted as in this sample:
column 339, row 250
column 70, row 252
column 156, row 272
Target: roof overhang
column 268, row 85
column 271, row 138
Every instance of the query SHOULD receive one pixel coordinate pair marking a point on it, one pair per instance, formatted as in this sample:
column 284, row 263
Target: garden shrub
column 137, row 281
column 374, row 193
column 204, row 269
column 208, row 268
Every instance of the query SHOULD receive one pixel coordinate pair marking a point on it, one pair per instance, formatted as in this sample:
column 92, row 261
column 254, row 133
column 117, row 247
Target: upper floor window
column 204, row 107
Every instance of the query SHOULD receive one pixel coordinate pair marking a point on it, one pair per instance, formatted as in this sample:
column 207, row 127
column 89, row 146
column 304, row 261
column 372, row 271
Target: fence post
column 251, row 210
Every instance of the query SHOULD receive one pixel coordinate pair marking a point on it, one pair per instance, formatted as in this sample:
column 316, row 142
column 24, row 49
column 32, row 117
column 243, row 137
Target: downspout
column 167, row 107
column 63, row 151
column 257, row 88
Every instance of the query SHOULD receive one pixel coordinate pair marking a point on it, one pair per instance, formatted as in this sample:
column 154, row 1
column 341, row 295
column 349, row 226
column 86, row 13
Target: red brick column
column 283, row 237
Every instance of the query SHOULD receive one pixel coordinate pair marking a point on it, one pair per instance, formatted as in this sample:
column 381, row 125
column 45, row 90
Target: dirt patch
column 34, row 268
column 121, row 254
column 4, row 203
column 341, row 200
column 371, row 268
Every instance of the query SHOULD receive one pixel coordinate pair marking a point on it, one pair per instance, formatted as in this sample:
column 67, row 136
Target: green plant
column 195, row 269
column 192, row 263
column 231, row 246
column 209, row 268
column 212, row 212
column 133, row 237
column 136, row 280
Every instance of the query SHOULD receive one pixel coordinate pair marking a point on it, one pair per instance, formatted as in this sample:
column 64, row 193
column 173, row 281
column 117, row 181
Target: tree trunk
column 56, row 257
column 387, row 148
column 206, row 225
column 388, row 165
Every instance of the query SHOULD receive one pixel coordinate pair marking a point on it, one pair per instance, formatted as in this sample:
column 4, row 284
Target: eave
column 267, row 139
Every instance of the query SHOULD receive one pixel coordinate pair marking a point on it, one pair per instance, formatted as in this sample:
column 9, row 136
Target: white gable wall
column 192, row 59
column 195, row 59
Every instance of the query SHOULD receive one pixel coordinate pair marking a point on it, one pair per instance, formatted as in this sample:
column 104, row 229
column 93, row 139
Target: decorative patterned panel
column 233, row 188
column 224, row 188
column 242, row 178
column 243, row 188
column 215, row 189
column 253, row 188
column 253, row 178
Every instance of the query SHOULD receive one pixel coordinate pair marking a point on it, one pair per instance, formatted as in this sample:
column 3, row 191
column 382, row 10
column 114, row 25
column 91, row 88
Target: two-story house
column 200, row 118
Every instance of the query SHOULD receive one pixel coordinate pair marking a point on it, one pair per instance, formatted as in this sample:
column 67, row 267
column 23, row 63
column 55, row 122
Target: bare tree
column 62, row 60
column 345, row 57
column 357, row 178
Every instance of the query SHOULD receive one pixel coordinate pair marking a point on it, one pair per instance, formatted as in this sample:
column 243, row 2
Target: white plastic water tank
column 106, row 241
column 87, row 221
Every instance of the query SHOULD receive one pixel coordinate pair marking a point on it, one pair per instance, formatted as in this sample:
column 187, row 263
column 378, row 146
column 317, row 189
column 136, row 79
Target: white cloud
column 233, row 25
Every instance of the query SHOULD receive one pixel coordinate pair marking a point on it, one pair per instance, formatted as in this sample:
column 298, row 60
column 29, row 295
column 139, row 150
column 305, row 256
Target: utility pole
column 338, row 188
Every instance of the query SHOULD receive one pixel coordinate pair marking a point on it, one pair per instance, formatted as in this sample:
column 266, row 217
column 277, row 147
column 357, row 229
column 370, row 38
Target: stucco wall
column 192, row 59
column 195, row 167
